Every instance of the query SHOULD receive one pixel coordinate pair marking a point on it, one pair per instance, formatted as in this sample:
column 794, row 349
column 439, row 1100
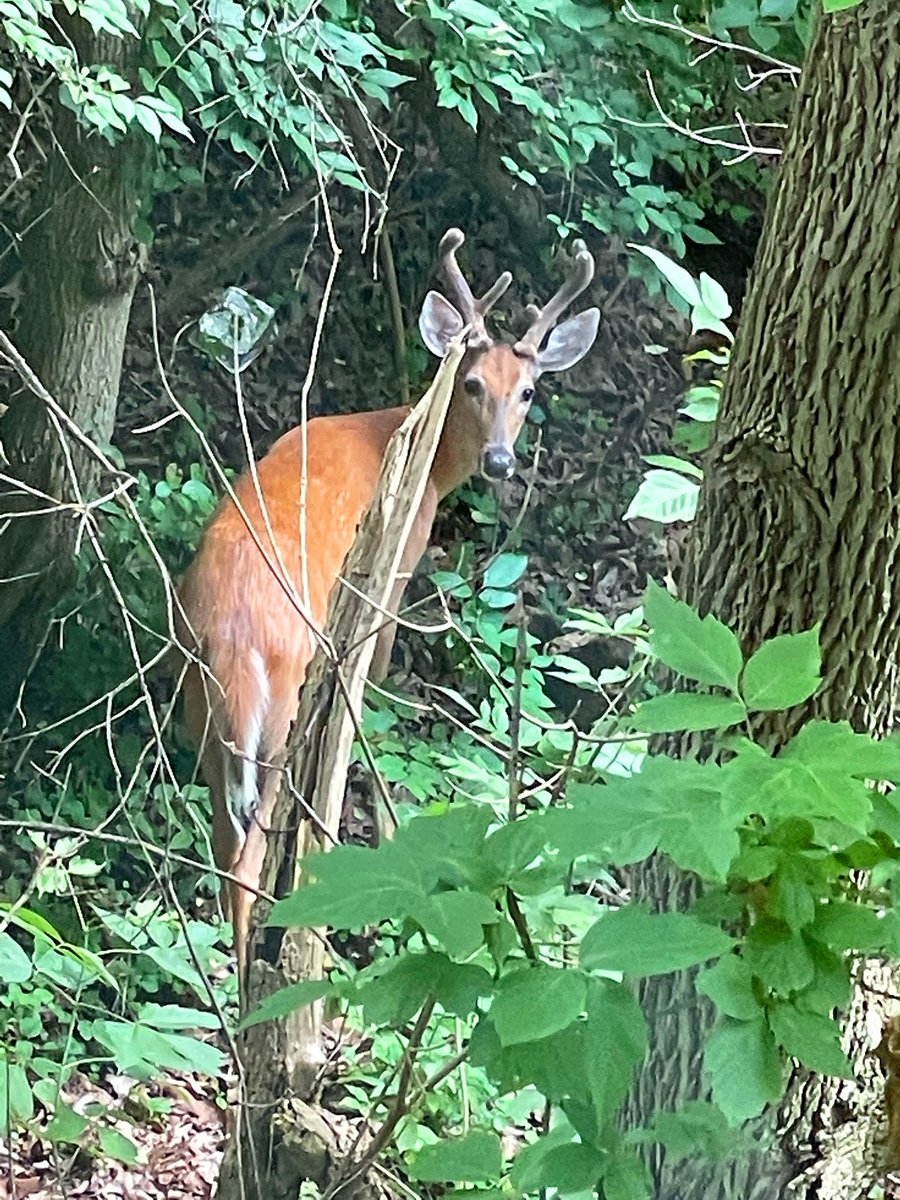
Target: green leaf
column 729, row 984
column 813, row 1039
column 569, row 1169
column 664, row 496
column 513, row 847
column 455, row 920
column 842, row 749
column 703, row 408
column 626, row 1177
column 639, row 943
column 66, row 1125
column 175, row 1016
column 696, row 1128
column 616, row 1042
column 15, row 965
column 16, row 1096
column 744, row 1068
column 681, row 280
column 842, row 925
column 526, row 1167
column 459, row 986
column 556, row 1065
column 832, row 6
column 286, row 1000
column 474, row 1158
column 797, row 783
column 534, row 1002
column 496, row 599
column 702, row 649
column 147, row 1052
column 673, row 805
column 393, row 993
column 791, row 899
column 505, row 570
column 356, row 886
column 384, row 78
column 714, row 297
column 780, row 959
column 671, row 463
column 831, row 987
column 688, row 711
column 783, row 672
column 700, row 235
column 148, row 120
column 117, row 1145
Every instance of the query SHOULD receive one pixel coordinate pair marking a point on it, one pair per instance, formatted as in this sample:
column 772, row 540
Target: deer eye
column 527, row 395
column 472, row 386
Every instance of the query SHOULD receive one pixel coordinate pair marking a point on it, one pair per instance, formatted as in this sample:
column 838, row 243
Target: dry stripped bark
column 799, row 522
column 280, row 1139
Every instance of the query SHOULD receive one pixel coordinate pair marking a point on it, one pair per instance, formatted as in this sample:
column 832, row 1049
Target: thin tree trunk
column 80, row 269
column 799, row 522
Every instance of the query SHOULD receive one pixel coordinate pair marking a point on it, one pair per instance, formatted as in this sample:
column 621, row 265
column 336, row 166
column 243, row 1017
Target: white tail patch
column 242, row 767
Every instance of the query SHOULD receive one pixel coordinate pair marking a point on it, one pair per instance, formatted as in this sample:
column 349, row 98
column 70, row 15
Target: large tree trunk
column 80, row 268
column 799, row 521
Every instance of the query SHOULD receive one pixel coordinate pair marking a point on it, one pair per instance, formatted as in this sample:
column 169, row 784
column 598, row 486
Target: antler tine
column 543, row 319
column 450, row 243
column 472, row 311
column 493, row 294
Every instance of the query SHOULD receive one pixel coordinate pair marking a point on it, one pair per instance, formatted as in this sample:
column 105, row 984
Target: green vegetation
column 492, row 965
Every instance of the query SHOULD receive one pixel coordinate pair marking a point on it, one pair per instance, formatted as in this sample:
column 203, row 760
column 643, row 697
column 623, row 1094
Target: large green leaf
column 700, row 648
column 287, row 1000
column 356, row 886
column 638, row 943
column 688, row 711
column 474, row 1158
column 813, row 1039
column 664, row 496
column 456, row 919
column 729, row 984
column 744, row 1068
column 15, row 965
column 779, row 958
column 534, row 1002
column 696, row 1127
column 783, row 672
column 616, row 1042
column 672, row 805
column 393, row 993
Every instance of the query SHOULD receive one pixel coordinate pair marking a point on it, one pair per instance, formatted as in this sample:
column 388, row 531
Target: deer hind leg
column 271, row 753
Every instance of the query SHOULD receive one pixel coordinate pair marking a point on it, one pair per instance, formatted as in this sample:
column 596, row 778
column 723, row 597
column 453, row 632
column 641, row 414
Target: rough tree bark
column 80, row 268
column 799, row 521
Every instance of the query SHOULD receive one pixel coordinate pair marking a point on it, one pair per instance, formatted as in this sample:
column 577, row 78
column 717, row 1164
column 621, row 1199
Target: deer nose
column 498, row 463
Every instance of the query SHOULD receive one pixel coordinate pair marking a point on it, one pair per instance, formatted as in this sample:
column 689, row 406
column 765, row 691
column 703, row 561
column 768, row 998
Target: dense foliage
column 501, row 951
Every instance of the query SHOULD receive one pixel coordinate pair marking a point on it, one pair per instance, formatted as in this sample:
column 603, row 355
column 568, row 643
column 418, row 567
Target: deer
column 255, row 597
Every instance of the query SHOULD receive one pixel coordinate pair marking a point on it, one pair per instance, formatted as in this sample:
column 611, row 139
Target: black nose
column 498, row 462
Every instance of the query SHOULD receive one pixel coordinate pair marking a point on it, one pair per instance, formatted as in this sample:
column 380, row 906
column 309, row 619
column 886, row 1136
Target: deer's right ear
column 439, row 323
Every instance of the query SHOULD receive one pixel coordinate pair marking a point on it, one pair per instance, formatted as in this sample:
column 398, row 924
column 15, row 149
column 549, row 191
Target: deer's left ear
column 568, row 343
column 439, row 323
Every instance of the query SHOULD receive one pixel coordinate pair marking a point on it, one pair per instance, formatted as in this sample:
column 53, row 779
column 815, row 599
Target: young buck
column 258, row 580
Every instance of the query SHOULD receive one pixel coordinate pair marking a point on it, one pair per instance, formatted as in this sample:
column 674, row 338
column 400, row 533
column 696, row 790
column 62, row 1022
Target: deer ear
column 569, row 343
column 439, row 323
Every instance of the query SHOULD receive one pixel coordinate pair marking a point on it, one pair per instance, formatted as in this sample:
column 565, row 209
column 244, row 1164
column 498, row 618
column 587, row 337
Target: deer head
column 495, row 383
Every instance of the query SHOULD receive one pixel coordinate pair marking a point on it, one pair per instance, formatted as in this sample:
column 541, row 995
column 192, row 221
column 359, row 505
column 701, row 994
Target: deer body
column 252, row 636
